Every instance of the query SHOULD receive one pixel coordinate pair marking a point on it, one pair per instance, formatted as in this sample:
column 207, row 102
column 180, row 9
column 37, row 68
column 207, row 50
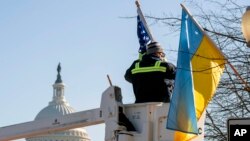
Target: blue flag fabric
column 143, row 36
column 182, row 116
column 199, row 68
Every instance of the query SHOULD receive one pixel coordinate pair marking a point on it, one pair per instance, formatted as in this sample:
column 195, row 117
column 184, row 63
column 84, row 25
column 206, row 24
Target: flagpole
column 202, row 30
column 143, row 20
column 247, row 88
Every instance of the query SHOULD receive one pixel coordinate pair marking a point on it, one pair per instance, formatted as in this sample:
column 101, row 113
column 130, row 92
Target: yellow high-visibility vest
column 155, row 68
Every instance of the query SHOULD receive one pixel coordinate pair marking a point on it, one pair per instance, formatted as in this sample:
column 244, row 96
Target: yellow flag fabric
column 200, row 65
column 208, row 65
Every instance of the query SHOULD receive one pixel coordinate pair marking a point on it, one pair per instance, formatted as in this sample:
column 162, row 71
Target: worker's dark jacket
column 149, row 80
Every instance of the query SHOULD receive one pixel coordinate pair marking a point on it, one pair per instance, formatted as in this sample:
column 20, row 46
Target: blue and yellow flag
column 199, row 67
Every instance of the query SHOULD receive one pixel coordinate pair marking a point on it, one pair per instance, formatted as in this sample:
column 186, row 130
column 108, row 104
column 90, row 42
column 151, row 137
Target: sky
column 89, row 38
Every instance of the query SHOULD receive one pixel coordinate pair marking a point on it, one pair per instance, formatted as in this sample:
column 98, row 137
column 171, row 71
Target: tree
column 222, row 21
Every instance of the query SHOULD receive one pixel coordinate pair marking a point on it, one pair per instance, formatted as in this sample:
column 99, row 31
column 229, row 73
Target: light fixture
column 246, row 25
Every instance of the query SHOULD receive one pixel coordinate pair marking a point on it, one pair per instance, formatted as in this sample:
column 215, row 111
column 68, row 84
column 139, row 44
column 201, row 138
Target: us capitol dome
column 58, row 107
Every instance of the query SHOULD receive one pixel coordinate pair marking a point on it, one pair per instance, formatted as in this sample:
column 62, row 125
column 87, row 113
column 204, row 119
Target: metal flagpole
column 143, row 20
column 247, row 88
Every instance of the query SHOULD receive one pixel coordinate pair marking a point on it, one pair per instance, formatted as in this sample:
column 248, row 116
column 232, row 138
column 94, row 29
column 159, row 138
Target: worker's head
column 156, row 49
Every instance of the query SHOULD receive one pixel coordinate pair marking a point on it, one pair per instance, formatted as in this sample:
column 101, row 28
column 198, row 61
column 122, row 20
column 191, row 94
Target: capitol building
column 59, row 107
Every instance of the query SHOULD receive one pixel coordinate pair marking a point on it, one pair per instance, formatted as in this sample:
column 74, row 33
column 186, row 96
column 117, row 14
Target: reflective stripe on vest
column 154, row 68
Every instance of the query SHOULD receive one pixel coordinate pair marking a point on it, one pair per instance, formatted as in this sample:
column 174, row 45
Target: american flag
column 143, row 36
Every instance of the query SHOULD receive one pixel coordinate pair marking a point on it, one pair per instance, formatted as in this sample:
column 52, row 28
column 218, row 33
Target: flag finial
column 137, row 3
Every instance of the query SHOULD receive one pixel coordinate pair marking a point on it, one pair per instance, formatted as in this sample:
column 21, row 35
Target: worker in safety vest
column 149, row 75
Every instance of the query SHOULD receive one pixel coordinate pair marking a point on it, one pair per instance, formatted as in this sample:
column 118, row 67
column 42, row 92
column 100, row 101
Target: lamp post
column 246, row 25
column 246, row 32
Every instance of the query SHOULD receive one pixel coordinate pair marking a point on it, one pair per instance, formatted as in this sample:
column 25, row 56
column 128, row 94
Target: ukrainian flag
column 199, row 67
